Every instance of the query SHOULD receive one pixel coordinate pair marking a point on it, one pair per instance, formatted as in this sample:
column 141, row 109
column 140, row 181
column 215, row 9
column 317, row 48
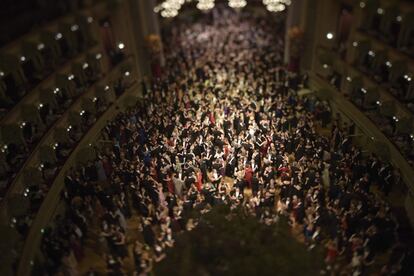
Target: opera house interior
column 207, row 137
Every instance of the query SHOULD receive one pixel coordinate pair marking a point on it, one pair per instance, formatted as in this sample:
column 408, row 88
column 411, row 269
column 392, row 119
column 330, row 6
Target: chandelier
column 170, row 8
column 205, row 5
column 237, row 4
column 276, row 5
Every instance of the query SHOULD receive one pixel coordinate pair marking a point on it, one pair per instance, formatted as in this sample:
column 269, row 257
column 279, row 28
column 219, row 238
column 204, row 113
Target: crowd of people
column 226, row 125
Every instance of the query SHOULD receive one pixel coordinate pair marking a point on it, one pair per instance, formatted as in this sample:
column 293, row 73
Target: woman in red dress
column 332, row 252
column 199, row 182
column 170, row 184
column 248, row 175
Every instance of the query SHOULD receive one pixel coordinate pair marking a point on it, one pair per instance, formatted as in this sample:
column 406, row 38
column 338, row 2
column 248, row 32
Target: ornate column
column 137, row 26
column 152, row 37
column 293, row 25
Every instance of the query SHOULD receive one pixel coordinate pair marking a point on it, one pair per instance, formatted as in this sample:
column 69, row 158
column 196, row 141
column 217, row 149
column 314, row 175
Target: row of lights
column 85, row 65
column 380, row 11
column 57, row 89
column 170, row 8
column 387, row 63
column 379, row 103
column 81, row 113
column 26, row 194
column 363, row 90
column 41, row 165
column 73, row 28
column 237, row 4
column 4, row 148
column 58, row 36
column 276, row 5
column 205, row 5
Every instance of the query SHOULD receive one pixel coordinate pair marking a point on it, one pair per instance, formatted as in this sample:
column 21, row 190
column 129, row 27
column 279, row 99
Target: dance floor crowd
column 225, row 125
